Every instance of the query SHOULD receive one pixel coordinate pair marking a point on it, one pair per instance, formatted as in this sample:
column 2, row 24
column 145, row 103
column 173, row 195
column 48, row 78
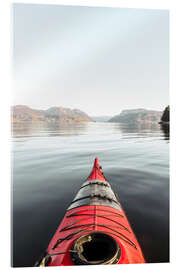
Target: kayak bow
column 94, row 230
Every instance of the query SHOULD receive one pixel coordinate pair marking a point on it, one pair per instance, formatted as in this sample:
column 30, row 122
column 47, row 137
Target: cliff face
column 21, row 113
column 137, row 116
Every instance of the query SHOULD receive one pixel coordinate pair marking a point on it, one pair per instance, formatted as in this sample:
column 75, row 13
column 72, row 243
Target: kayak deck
column 95, row 229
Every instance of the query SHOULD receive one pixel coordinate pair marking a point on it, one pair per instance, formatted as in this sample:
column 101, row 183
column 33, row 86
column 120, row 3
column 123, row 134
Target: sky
column 100, row 60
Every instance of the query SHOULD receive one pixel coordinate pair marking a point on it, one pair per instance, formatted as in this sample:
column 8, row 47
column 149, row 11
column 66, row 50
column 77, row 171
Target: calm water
column 51, row 161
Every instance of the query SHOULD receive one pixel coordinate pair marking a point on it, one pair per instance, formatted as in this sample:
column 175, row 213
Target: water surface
column 51, row 161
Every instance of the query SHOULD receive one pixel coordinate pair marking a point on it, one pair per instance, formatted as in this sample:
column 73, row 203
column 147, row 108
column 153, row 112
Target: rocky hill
column 21, row 113
column 137, row 116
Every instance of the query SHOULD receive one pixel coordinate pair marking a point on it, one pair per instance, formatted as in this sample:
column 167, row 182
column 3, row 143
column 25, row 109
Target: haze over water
column 51, row 161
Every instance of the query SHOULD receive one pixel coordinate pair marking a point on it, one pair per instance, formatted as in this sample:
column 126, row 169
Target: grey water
column 50, row 161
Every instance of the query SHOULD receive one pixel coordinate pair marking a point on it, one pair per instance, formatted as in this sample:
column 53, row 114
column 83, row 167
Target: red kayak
column 94, row 230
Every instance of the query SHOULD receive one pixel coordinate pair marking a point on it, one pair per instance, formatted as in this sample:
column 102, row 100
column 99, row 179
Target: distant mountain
column 21, row 113
column 103, row 118
column 136, row 116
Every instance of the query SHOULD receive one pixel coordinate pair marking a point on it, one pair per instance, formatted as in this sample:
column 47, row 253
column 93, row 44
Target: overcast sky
column 99, row 60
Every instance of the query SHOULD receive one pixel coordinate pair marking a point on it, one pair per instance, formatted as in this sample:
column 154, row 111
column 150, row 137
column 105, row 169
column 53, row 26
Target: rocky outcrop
column 137, row 116
column 21, row 113
column 166, row 115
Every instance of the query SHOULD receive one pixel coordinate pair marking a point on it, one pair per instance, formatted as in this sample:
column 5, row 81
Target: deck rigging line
column 87, row 226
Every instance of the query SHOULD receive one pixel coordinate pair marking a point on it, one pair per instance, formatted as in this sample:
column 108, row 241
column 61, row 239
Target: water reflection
column 47, row 129
column 165, row 129
column 141, row 130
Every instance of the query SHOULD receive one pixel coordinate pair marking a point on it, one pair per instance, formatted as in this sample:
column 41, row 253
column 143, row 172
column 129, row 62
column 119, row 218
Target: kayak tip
column 96, row 162
column 96, row 173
